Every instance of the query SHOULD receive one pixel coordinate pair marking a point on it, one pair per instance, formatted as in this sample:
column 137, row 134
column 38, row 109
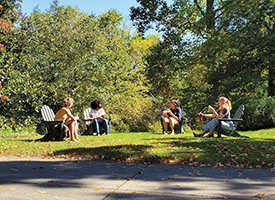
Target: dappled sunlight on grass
column 257, row 151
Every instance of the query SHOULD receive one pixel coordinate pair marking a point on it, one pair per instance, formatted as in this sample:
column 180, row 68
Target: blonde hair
column 68, row 101
column 227, row 103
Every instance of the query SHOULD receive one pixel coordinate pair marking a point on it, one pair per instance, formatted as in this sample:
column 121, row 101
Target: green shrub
column 258, row 113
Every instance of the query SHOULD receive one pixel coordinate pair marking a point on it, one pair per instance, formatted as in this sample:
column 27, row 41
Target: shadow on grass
column 229, row 152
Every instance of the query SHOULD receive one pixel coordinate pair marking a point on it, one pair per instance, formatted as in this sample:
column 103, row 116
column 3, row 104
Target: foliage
column 242, row 48
column 258, row 114
column 230, row 44
column 9, row 10
column 258, row 151
column 65, row 52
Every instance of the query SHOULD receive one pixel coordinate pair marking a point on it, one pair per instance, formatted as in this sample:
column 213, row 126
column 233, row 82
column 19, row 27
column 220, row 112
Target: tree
column 231, row 43
column 244, row 46
column 70, row 53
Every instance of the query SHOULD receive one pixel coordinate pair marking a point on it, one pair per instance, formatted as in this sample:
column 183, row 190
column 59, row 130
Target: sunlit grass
column 257, row 151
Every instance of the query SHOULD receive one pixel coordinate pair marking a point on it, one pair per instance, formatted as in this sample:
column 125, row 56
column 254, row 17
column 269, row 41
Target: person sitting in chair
column 223, row 112
column 98, row 114
column 64, row 113
column 172, row 116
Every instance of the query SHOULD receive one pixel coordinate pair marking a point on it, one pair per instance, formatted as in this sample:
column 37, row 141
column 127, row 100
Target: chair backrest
column 238, row 114
column 87, row 115
column 47, row 113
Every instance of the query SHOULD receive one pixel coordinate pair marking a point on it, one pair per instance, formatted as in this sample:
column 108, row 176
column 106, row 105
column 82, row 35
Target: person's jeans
column 226, row 126
column 104, row 123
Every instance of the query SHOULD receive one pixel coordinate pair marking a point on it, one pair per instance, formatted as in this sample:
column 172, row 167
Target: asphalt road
column 35, row 178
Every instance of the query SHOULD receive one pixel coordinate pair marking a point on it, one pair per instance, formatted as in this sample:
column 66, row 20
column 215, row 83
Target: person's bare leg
column 69, row 123
column 74, row 135
column 201, row 134
column 165, row 125
column 172, row 123
column 76, row 131
column 210, row 133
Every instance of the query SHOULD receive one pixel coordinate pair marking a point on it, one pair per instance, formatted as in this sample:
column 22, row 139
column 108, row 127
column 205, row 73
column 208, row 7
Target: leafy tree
column 243, row 44
column 231, row 45
column 70, row 53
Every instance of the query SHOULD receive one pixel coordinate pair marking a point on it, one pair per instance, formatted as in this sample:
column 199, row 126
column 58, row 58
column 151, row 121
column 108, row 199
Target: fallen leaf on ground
column 260, row 195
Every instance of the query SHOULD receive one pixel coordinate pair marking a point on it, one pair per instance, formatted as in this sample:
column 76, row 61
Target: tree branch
column 197, row 5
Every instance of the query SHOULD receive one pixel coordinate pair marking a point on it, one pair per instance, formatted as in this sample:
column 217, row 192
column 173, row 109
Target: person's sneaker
column 197, row 135
column 210, row 135
column 165, row 133
column 172, row 133
column 108, row 134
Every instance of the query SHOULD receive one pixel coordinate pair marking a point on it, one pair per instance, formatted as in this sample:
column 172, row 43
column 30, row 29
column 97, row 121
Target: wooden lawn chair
column 178, row 128
column 90, row 126
column 48, row 120
column 236, row 119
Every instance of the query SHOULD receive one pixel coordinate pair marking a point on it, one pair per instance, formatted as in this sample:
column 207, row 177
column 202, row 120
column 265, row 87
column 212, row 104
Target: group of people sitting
column 97, row 113
column 173, row 116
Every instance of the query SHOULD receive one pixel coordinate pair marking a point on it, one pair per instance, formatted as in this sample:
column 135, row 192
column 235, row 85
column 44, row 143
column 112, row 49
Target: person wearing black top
column 172, row 116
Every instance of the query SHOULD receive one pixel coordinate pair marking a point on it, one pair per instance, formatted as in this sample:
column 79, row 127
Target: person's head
column 68, row 102
column 99, row 103
column 224, row 102
column 175, row 104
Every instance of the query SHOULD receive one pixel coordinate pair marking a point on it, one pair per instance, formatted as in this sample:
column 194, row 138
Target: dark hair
column 177, row 102
column 95, row 103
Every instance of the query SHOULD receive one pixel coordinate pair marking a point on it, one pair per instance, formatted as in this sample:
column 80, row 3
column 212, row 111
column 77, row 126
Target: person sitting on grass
column 223, row 112
column 98, row 114
column 64, row 113
column 172, row 116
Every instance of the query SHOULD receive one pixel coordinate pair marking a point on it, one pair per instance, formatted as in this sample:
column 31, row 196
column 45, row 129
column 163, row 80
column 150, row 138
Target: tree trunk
column 210, row 14
column 271, row 78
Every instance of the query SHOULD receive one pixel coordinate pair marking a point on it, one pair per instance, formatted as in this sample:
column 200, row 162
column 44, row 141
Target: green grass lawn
column 257, row 151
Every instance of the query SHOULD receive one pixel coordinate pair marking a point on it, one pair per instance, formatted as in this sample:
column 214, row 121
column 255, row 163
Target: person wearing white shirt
column 98, row 114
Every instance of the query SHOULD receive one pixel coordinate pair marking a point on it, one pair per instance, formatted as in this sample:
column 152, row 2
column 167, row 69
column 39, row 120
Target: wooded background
column 207, row 49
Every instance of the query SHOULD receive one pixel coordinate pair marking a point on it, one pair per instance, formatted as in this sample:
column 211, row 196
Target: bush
column 258, row 113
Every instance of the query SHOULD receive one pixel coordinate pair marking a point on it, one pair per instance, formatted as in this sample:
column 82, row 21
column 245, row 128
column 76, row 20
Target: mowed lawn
column 256, row 152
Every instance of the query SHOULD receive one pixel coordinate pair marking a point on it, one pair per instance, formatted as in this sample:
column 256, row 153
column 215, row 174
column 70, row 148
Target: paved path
column 58, row 179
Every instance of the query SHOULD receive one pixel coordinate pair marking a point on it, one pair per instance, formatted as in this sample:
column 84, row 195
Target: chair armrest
column 50, row 122
column 87, row 120
column 233, row 119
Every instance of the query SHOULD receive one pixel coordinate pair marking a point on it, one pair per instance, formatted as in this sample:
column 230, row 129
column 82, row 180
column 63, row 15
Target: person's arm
column 165, row 113
column 103, row 114
column 75, row 118
column 173, row 115
column 206, row 115
column 221, row 115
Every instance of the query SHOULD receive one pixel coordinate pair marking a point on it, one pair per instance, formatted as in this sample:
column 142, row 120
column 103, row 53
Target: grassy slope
column 258, row 151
